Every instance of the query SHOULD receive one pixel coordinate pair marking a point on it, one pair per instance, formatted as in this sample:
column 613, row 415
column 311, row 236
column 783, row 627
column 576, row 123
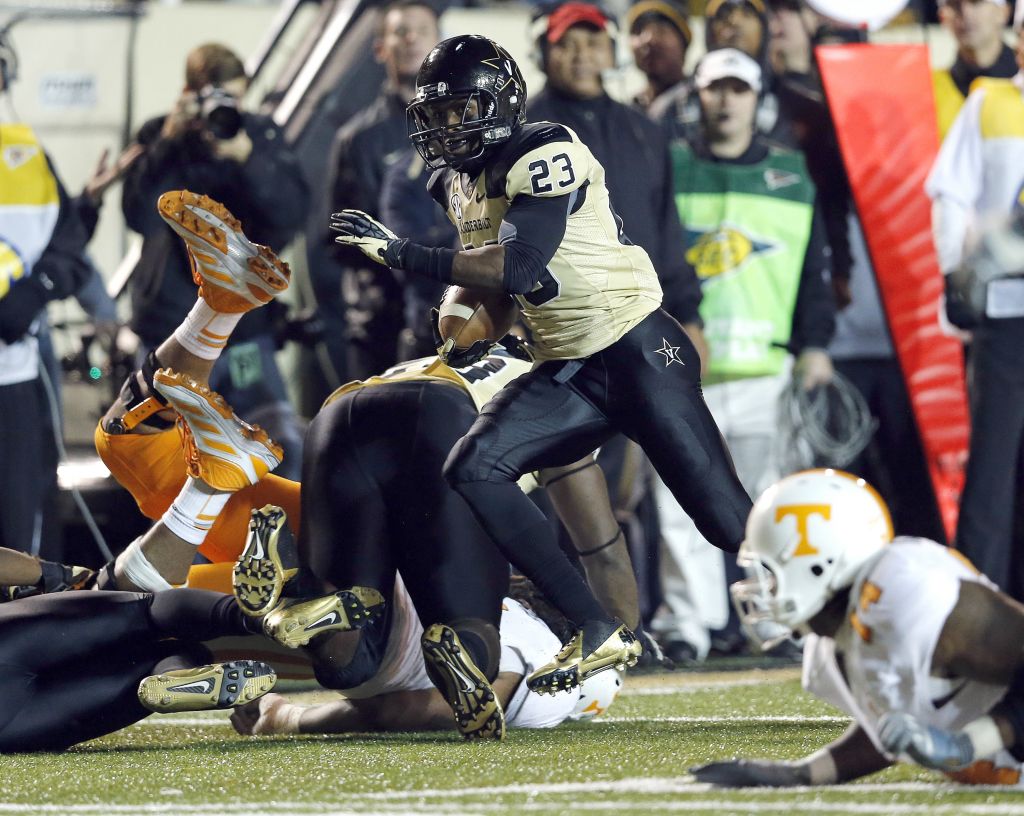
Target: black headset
column 8, row 60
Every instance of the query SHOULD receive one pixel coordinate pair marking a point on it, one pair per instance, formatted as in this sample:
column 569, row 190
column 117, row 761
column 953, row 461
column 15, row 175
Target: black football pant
column 990, row 530
column 374, row 502
column 71, row 662
column 647, row 386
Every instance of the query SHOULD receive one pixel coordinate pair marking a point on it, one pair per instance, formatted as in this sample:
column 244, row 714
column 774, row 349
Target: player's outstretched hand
column 357, row 229
column 751, row 773
column 927, row 745
column 267, row 715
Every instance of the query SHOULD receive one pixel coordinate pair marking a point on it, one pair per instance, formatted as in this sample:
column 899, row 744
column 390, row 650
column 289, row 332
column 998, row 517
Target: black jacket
column 267, row 193
column 364, row 149
column 638, row 172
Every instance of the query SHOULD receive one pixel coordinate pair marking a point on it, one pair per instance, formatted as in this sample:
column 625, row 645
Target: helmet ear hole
column 817, row 570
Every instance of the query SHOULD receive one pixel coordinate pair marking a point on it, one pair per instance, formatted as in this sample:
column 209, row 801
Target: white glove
column 927, row 745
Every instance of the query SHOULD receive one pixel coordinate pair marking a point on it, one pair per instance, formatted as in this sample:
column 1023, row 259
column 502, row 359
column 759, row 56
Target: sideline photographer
column 210, row 144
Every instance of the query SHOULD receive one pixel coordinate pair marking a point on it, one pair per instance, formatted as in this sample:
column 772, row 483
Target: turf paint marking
column 200, row 722
column 826, row 720
column 690, row 688
column 711, row 800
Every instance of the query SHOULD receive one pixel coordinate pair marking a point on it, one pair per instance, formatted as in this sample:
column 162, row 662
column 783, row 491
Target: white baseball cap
column 723, row 63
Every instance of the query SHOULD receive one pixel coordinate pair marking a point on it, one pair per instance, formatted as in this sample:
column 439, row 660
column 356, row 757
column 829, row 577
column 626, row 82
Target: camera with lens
column 219, row 111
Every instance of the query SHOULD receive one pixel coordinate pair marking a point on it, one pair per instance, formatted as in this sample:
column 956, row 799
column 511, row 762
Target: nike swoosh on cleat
column 468, row 686
column 196, row 687
column 326, row 620
column 259, row 553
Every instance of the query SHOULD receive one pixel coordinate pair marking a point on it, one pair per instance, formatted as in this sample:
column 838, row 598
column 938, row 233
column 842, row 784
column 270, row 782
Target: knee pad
column 340, row 678
column 364, row 663
column 141, row 407
column 483, row 642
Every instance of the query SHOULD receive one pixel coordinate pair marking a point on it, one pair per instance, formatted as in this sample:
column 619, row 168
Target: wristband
column 433, row 262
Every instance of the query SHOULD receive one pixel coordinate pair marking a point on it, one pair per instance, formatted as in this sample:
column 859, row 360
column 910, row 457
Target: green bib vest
column 747, row 227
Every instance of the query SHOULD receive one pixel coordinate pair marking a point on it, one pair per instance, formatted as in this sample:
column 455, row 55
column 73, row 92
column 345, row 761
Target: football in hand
column 469, row 315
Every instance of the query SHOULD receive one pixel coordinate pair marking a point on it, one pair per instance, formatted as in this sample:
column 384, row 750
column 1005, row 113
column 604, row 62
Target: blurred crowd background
column 735, row 154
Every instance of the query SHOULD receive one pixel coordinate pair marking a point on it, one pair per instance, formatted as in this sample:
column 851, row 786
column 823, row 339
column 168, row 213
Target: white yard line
column 689, row 688
column 799, row 718
column 859, row 801
column 176, row 721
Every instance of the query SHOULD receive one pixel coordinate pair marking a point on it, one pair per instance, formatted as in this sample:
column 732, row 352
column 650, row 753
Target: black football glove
column 452, row 356
column 752, row 773
column 377, row 242
column 19, row 307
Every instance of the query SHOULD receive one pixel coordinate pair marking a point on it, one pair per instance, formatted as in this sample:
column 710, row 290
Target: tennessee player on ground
column 533, row 212
column 903, row 635
column 373, row 500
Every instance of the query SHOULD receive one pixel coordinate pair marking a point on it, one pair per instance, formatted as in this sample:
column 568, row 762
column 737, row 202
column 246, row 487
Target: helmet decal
column 802, row 512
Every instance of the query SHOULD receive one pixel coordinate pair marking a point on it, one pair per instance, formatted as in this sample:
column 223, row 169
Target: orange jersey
column 152, row 468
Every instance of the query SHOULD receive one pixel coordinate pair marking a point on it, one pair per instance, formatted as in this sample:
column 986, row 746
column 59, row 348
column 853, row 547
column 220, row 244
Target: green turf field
column 632, row 761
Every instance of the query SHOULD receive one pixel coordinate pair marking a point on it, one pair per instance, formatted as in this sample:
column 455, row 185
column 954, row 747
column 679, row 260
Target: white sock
column 194, row 511
column 205, row 332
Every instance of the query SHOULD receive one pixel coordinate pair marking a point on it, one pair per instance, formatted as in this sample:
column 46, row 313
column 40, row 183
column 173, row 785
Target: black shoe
column 682, row 653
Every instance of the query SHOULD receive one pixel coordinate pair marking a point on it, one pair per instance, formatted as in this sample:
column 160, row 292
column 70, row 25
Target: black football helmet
column 470, row 97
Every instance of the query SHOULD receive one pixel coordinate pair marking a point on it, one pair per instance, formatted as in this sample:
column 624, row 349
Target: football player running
column 903, row 635
column 531, row 207
column 373, row 500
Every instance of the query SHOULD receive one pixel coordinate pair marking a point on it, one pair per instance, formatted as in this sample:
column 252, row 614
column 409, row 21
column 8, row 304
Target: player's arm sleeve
column 954, row 184
column 545, row 186
column 531, row 231
column 814, row 315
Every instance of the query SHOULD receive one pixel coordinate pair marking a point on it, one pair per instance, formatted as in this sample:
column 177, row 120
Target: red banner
column 884, row 111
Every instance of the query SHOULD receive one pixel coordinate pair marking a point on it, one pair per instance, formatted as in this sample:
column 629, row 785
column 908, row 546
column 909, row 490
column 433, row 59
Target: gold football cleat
column 478, row 712
column 267, row 563
column 234, row 274
column 576, row 661
column 295, row 622
column 220, row 449
column 219, row 685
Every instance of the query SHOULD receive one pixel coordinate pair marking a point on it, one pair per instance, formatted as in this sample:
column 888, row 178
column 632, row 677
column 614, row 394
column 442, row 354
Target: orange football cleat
column 220, row 449
column 234, row 274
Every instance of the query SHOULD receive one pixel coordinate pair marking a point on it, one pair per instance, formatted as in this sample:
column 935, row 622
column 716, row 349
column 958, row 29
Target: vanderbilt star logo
column 670, row 352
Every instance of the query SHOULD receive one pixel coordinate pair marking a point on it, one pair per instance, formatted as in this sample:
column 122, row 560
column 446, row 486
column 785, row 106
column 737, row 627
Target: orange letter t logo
column 802, row 513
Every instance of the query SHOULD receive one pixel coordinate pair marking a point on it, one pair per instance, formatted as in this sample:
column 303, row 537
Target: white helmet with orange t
column 806, row 538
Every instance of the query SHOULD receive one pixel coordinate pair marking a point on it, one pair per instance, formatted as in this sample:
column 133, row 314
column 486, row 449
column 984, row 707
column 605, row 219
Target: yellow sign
column 721, row 250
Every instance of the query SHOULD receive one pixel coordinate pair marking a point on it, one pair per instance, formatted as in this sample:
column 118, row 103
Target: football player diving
column 533, row 213
column 372, row 503
column 78, row 665
column 904, row 635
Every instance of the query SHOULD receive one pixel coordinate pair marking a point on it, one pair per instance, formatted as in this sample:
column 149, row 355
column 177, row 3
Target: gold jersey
column 598, row 285
column 480, row 381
